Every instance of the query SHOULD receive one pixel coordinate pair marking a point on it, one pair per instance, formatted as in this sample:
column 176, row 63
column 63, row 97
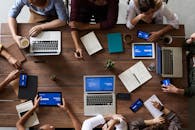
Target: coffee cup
column 167, row 39
column 24, row 43
column 128, row 38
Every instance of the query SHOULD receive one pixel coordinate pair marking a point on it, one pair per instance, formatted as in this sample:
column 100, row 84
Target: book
column 25, row 107
column 135, row 76
column 115, row 43
column 154, row 111
column 91, row 43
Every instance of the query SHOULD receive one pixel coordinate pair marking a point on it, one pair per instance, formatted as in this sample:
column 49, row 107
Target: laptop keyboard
column 99, row 100
column 44, row 45
column 168, row 61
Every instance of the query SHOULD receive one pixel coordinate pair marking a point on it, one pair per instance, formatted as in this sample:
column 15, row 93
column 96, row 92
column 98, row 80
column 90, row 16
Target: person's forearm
column 148, row 122
column 12, row 25
column 25, row 117
column 75, row 37
column 135, row 20
column 74, row 119
column 5, row 54
column 53, row 24
column 165, row 30
column 180, row 91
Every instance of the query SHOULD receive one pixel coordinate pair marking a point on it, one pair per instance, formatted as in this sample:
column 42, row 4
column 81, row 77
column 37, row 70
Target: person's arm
column 21, row 122
column 66, row 108
column 132, row 19
column 112, row 14
column 172, row 89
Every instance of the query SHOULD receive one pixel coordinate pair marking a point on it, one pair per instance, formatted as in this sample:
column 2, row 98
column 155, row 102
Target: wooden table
column 70, row 71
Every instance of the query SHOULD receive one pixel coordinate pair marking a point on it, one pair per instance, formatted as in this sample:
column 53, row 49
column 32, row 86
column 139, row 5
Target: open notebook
column 91, row 43
column 135, row 76
column 154, row 111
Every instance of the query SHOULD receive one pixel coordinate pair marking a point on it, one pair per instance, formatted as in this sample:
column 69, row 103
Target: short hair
column 38, row 2
column 145, row 5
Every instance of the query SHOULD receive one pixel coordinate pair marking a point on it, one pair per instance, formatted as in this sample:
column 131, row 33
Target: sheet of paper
column 154, row 111
column 91, row 43
column 24, row 107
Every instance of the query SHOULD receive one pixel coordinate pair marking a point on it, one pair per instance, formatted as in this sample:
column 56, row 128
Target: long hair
column 145, row 5
column 38, row 2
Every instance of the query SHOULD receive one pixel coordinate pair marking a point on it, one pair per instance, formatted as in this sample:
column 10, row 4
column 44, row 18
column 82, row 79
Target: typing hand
column 154, row 36
column 34, row 31
column 17, row 39
column 158, row 120
column 78, row 53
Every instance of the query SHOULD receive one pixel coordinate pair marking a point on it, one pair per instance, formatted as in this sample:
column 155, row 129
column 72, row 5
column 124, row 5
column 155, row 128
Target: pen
column 136, row 78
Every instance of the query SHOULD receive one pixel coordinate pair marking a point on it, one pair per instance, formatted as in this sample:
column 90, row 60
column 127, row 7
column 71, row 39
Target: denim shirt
column 55, row 8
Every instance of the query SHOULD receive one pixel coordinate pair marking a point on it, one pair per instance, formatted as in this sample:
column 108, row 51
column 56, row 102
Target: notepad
column 25, row 107
column 91, row 43
column 135, row 76
column 115, row 44
column 154, row 111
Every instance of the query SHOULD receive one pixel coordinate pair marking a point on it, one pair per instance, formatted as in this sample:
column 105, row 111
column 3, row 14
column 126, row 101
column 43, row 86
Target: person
column 169, row 121
column 190, row 90
column 50, row 13
column 103, row 14
column 14, row 62
column 109, row 122
column 65, row 107
column 152, row 12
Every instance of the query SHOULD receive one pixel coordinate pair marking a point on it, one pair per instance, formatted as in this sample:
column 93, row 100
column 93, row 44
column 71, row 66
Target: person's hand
column 157, row 105
column 78, row 53
column 14, row 62
column 154, row 36
column 110, row 124
column 17, row 39
column 169, row 89
column 191, row 39
column 34, row 31
column 118, row 116
column 64, row 106
column 158, row 120
column 146, row 18
column 36, row 101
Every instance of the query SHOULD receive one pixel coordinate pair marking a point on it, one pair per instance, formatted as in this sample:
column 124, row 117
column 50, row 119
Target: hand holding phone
column 166, row 82
column 136, row 105
column 143, row 35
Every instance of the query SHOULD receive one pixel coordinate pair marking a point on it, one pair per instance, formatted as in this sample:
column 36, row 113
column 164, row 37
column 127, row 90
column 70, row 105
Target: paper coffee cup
column 167, row 39
column 24, row 43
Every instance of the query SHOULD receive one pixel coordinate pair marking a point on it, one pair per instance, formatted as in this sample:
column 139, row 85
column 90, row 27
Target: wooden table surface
column 70, row 72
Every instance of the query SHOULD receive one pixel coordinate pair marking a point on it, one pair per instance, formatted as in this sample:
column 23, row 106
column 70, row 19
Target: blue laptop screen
column 143, row 50
column 50, row 99
column 99, row 84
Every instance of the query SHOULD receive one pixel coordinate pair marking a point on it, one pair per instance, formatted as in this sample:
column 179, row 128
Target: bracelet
column 162, row 108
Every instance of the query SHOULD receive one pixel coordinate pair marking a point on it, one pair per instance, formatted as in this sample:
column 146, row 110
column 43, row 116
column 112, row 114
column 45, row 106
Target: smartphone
column 143, row 35
column 123, row 96
column 136, row 105
column 23, row 80
column 166, row 82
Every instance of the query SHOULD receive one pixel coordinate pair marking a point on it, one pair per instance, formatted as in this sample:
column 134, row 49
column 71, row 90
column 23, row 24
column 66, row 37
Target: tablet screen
column 50, row 98
column 143, row 51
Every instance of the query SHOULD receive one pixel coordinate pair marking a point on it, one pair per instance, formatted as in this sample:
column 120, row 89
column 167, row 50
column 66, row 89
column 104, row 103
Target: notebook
column 46, row 43
column 115, row 44
column 91, row 43
column 154, row 111
column 30, row 91
column 99, row 95
column 25, row 107
column 135, row 76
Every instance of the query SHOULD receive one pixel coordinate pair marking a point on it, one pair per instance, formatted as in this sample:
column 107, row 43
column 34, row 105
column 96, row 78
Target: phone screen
column 143, row 35
column 23, row 80
column 166, row 82
column 136, row 105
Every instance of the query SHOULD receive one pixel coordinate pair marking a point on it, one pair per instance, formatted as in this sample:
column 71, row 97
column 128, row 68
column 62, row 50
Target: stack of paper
column 25, row 107
column 154, row 111
column 91, row 43
column 135, row 76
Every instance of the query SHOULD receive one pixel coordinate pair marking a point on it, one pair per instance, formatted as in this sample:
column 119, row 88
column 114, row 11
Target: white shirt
column 171, row 18
column 93, row 122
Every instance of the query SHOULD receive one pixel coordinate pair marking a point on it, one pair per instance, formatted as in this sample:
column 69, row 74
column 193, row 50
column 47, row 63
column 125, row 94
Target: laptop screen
column 143, row 50
column 98, row 84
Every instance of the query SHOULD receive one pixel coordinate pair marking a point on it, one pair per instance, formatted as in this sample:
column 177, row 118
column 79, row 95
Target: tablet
column 50, row 98
column 143, row 51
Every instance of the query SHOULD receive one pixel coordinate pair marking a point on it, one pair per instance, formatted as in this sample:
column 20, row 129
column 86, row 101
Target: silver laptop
column 46, row 43
column 99, row 95
column 170, row 62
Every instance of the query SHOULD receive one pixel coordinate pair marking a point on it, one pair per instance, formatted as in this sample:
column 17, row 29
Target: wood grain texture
column 69, row 72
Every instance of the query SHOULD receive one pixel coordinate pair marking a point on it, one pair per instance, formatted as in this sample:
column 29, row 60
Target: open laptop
column 46, row 43
column 99, row 95
column 169, row 61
